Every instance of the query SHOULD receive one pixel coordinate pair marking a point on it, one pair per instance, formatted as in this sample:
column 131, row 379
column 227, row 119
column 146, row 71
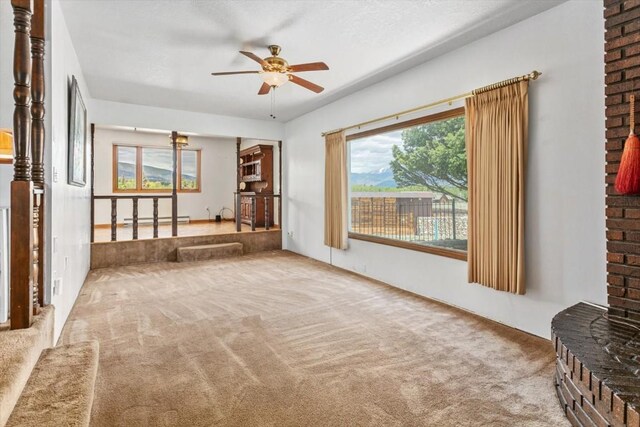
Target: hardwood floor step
column 60, row 389
column 206, row 252
column 19, row 352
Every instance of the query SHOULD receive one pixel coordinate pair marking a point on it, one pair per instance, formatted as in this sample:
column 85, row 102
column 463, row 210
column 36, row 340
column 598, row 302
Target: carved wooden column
column 21, row 186
column 238, row 180
column 37, row 150
column 174, row 191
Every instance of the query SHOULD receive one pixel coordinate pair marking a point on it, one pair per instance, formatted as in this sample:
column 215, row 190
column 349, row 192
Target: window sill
column 445, row 252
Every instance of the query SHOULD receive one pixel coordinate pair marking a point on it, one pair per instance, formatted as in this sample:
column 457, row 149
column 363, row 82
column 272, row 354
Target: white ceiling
column 161, row 52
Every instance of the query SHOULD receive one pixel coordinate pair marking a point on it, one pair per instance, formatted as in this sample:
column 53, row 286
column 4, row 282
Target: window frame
column 139, row 189
column 434, row 250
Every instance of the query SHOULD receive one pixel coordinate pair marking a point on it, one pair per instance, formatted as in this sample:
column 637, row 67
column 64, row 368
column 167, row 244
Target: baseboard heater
column 161, row 220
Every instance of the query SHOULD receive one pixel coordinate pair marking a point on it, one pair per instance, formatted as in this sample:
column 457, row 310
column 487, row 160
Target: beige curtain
column 335, row 191
column 496, row 138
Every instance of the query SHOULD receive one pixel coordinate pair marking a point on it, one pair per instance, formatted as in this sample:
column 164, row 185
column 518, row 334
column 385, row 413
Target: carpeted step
column 205, row 252
column 60, row 389
column 19, row 353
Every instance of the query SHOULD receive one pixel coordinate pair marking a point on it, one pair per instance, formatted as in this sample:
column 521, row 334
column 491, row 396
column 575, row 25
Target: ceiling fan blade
column 264, row 89
column 312, row 66
column 255, row 58
column 227, row 73
column 305, row 83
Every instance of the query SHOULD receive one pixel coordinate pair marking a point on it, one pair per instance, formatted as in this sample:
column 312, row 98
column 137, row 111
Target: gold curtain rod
column 531, row 76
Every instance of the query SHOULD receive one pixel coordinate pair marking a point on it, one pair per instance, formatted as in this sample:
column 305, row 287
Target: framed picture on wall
column 77, row 163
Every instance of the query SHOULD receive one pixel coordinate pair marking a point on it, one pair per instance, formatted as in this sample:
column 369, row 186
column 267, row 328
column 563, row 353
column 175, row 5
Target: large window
column 408, row 184
column 150, row 169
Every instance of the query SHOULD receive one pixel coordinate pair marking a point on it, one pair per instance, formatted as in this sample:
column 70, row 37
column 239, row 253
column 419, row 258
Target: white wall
column 218, row 175
column 565, row 225
column 69, row 214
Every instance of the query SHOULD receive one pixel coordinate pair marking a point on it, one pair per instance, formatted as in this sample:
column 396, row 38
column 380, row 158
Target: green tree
column 433, row 155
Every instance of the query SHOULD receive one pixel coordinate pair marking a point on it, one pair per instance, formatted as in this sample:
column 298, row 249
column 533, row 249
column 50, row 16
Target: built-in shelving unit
column 256, row 174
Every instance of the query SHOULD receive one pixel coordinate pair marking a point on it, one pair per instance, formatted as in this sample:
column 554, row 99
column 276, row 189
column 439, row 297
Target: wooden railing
column 134, row 200
column 269, row 200
column 28, row 187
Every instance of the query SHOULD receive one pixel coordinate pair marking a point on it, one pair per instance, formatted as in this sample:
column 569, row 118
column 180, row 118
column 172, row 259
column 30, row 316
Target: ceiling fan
column 276, row 71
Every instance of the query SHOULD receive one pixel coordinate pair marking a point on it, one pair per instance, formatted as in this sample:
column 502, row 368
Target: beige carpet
column 275, row 339
column 61, row 388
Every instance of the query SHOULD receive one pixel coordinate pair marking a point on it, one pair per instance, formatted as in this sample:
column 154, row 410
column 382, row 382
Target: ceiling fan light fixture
column 274, row 78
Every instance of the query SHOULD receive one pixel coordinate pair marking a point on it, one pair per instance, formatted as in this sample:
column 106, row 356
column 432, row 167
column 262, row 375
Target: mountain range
column 381, row 178
column 151, row 173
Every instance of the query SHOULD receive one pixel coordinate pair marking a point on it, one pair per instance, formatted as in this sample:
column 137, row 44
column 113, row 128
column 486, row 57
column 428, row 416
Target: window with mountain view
column 150, row 169
column 408, row 184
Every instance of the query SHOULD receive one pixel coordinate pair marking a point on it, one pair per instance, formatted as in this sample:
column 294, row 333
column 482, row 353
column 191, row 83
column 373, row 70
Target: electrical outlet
column 290, row 233
column 57, row 286
column 55, row 174
column 66, row 263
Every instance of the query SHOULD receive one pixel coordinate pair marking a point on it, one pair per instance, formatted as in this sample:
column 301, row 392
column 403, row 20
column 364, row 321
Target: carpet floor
column 276, row 339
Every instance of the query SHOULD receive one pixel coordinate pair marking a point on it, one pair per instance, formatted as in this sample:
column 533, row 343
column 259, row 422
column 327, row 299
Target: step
column 60, row 389
column 205, row 252
column 20, row 350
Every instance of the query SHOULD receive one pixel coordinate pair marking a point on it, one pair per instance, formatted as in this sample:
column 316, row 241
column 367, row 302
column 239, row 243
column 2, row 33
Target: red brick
column 632, row 236
column 613, row 33
column 613, row 99
column 614, row 122
column 612, row 168
column 632, row 283
column 623, row 224
column 632, row 73
column 615, row 280
column 621, row 18
column 622, row 64
column 625, row 303
column 633, row 260
column 617, row 258
column 614, row 212
column 631, row 27
column 613, row 156
column 630, row 50
column 632, row 213
column 615, row 235
column 630, row 4
column 614, row 9
column 622, row 87
column 616, row 291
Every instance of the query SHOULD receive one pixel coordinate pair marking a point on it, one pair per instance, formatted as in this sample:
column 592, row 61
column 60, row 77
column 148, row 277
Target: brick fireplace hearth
column 598, row 350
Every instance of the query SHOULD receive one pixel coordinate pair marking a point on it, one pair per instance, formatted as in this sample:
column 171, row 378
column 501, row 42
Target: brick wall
column 622, row 68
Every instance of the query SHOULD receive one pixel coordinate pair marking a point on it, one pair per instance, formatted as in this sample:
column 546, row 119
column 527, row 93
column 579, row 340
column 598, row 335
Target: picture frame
column 77, row 145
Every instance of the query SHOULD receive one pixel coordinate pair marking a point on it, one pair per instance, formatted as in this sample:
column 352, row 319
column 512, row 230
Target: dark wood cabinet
column 256, row 176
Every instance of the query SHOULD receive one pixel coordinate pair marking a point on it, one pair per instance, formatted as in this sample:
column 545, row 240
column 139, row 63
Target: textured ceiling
column 161, row 52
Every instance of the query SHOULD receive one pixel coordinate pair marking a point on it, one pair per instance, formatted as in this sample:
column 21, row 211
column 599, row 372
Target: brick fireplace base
column 597, row 367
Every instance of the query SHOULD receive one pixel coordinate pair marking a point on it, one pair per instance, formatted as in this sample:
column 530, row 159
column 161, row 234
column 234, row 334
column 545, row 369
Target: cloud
column 373, row 153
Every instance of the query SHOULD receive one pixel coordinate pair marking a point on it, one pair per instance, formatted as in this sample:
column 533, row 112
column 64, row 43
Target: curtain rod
column 531, row 76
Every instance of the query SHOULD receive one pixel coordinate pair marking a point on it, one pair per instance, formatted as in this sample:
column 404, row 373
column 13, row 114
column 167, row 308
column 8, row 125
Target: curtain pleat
column 335, row 191
column 496, row 142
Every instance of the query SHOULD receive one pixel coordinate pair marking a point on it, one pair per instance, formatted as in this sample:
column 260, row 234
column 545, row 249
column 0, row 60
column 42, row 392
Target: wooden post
column 266, row 213
column 135, row 218
column 22, row 186
column 114, row 218
column 279, row 184
column 93, row 194
column 174, row 191
column 155, row 217
column 253, row 213
column 238, row 180
column 37, row 150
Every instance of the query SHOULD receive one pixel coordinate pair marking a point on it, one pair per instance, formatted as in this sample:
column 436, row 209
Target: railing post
column 453, row 215
column 266, row 213
column 155, row 217
column 37, row 150
column 253, row 213
column 135, row 218
column 238, row 180
column 174, row 191
column 114, row 218
column 22, row 187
